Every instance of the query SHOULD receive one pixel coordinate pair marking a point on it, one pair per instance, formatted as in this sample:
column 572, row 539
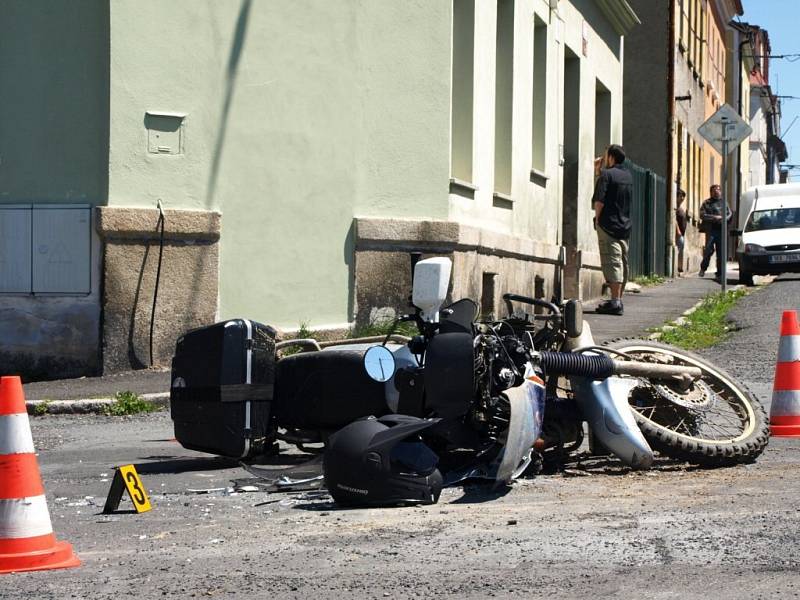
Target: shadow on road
column 588, row 464
column 480, row 493
column 173, row 465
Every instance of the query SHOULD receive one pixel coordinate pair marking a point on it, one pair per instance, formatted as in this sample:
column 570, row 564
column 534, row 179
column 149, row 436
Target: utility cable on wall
column 158, row 276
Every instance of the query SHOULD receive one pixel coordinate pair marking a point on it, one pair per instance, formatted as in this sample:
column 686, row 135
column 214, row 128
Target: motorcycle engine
column 499, row 365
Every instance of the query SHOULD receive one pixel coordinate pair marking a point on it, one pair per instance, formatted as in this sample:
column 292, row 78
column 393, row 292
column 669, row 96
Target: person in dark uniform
column 612, row 204
column 711, row 224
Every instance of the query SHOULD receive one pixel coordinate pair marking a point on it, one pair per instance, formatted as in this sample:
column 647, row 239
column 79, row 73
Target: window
column 712, row 174
column 680, row 153
column 504, row 95
column 571, row 128
column 683, row 21
column 701, row 42
column 698, row 177
column 602, row 116
column 462, row 90
column 690, row 175
column 690, row 32
column 488, row 285
column 539, row 94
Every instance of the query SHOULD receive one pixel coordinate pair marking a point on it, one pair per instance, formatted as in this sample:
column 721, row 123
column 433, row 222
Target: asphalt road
column 598, row 530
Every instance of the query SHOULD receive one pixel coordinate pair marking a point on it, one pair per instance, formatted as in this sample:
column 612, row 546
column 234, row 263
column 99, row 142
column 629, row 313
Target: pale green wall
column 53, row 101
column 300, row 116
column 536, row 209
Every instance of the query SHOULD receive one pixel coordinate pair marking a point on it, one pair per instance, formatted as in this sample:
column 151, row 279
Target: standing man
column 711, row 223
column 612, row 204
column 681, row 222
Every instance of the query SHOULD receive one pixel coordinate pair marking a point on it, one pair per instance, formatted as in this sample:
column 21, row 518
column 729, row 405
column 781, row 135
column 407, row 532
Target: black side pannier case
column 223, row 378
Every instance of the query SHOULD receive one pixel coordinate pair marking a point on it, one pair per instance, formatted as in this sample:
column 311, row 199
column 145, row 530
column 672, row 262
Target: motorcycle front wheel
column 715, row 422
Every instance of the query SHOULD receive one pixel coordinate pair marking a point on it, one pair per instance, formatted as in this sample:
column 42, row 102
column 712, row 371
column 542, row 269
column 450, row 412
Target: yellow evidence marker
column 126, row 478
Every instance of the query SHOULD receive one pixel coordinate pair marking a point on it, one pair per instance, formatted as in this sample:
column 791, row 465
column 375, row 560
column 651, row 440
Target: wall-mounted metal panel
column 164, row 132
column 15, row 250
column 61, row 250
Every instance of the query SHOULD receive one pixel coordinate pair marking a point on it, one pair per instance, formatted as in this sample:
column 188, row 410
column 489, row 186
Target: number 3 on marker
column 135, row 488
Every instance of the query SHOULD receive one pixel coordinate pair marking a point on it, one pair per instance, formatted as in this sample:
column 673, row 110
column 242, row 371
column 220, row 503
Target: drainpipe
column 671, row 184
column 770, row 148
column 741, row 107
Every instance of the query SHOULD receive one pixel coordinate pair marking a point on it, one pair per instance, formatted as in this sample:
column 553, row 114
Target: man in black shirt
column 612, row 203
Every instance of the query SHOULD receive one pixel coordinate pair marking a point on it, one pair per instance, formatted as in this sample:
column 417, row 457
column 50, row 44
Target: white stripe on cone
column 15, row 435
column 785, row 403
column 24, row 517
column 789, row 348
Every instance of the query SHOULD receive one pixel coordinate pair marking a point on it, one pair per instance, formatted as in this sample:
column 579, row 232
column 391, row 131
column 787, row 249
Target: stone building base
column 187, row 286
column 486, row 265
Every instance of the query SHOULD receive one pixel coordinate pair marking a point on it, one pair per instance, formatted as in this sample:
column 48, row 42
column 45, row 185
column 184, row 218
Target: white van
column 769, row 231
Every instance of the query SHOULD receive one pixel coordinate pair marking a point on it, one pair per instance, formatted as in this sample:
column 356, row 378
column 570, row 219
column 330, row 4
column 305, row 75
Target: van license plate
column 783, row 258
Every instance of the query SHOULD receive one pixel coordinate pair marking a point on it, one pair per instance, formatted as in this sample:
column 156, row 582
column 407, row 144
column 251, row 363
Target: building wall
column 54, row 60
column 298, row 117
column 532, row 207
column 647, row 94
column 697, row 59
column 691, row 166
column 268, row 132
column 507, row 217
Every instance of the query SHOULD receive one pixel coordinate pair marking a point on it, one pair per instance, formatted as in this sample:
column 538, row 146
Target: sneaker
column 610, row 307
column 702, row 273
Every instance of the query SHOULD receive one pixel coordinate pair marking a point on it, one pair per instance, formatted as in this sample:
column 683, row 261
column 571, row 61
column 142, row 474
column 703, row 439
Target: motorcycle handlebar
column 534, row 301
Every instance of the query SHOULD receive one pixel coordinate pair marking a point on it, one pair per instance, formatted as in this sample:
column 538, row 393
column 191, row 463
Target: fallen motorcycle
column 498, row 393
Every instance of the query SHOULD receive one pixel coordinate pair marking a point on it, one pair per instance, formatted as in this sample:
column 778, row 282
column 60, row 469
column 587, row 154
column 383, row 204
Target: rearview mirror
column 379, row 363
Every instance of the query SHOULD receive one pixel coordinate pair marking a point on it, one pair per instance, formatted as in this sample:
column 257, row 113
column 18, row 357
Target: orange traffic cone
column 784, row 415
column 27, row 541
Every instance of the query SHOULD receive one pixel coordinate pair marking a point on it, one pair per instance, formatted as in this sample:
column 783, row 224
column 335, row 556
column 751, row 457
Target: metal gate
column 647, row 252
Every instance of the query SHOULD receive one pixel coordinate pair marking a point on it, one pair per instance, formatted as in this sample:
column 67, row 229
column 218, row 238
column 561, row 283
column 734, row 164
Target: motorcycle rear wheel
column 717, row 422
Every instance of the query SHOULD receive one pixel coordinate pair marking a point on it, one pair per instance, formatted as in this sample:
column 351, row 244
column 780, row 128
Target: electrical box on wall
column 45, row 249
column 61, row 250
column 164, row 132
column 15, row 249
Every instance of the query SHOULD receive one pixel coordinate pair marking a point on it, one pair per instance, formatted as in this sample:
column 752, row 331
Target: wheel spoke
column 725, row 419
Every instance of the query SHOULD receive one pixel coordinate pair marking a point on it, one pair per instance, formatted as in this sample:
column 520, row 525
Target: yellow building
column 703, row 32
column 668, row 100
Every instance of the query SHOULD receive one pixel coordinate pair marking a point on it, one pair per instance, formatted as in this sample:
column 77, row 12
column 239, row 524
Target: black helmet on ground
column 380, row 462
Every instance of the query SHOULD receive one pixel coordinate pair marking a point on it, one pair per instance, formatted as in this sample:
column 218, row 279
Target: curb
column 88, row 405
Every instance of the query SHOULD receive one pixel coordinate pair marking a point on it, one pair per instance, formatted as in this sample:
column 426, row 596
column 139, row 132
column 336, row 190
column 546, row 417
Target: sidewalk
column 650, row 308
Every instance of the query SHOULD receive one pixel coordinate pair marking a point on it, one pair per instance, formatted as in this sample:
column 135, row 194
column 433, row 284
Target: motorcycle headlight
column 754, row 249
